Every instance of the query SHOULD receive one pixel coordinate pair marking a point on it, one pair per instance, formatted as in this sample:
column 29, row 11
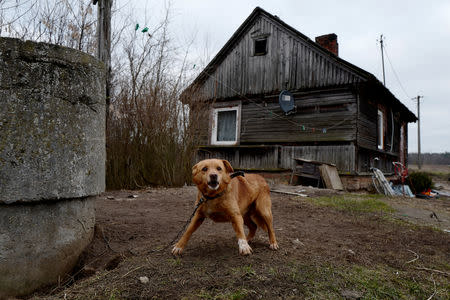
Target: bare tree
column 151, row 135
column 70, row 23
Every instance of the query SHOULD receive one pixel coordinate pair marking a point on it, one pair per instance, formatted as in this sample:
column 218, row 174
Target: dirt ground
column 324, row 252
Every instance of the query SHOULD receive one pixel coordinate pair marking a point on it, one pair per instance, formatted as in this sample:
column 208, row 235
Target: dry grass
column 432, row 169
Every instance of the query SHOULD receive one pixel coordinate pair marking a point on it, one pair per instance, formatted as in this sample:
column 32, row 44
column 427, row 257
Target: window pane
column 260, row 47
column 226, row 125
column 380, row 130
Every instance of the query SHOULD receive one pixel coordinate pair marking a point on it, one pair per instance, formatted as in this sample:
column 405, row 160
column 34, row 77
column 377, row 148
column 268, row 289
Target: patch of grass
column 239, row 294
column 216, row 295
column 175, row 261
column 409, row 224
column 244, row 271
column 377, row 282
column 354, row 203
column 434, row 173
column 440, row 175
column 114, row 295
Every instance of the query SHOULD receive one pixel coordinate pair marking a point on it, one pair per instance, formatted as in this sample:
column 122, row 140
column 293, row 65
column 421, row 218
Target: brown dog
column 241, row 200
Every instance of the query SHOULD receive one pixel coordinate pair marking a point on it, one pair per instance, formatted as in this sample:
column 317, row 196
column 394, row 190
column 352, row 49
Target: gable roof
column 214, row 63
column 363, row 75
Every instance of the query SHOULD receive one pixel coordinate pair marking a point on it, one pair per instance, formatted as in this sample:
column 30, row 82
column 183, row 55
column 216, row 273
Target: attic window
column 260, row 46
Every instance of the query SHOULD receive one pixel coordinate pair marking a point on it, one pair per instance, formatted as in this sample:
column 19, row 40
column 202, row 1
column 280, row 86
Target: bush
column 420, row 181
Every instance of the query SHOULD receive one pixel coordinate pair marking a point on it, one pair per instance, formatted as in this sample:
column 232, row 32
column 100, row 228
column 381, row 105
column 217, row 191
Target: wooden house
column 343, row 114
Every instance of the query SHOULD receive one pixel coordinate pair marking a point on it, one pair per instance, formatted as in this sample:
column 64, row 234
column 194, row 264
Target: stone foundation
column 360, row 182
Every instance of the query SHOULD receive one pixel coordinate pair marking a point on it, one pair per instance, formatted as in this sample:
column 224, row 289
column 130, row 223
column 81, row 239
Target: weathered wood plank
column 281, row 157
column 343, row 156
column 331, row 178
column 267, row 123
column 289, row 60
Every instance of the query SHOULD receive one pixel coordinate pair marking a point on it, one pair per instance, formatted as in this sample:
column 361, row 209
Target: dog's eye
column 219, row 169
column 205, row 169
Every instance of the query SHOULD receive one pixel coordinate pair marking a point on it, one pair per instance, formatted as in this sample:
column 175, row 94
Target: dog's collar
column 236, row 174
column 205, row 198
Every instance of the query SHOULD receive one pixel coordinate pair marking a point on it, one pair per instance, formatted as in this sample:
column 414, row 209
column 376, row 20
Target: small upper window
column 260, row 46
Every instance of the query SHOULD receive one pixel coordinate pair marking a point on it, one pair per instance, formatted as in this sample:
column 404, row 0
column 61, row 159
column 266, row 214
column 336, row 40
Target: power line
column 273, row 114
column 395, row 74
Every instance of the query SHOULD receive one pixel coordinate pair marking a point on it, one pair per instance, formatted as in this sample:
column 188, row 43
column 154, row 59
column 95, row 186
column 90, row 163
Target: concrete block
column 52, row 122
column 41, row 241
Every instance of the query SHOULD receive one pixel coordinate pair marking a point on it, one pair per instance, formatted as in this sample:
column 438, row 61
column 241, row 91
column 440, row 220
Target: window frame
column 214, row 125
column 265, row 39
column 257, row 37
column 380, row 129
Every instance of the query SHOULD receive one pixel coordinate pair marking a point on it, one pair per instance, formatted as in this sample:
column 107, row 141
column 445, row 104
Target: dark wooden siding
column 392, row 140
column 276, row 157
column 200, row 123
column 368, row 134
column 333, row 111
column 343, row 156
column 249, row 158
column 367, row 125
column 202, row 132
column 366, row 160
column 368, row 131
column 291, row 63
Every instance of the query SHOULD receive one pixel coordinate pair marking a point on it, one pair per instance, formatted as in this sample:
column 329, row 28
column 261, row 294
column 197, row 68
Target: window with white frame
column 225, row 127
column 380, row 129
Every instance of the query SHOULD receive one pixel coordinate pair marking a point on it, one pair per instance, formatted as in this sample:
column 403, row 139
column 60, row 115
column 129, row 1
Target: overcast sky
column 417, row 40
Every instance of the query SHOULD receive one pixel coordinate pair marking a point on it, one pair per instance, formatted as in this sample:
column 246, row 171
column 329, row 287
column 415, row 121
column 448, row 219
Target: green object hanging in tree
column 145, row 29
column 137, row 27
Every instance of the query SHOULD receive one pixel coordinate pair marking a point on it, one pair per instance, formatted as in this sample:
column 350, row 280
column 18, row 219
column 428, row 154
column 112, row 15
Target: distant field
column 431, row 168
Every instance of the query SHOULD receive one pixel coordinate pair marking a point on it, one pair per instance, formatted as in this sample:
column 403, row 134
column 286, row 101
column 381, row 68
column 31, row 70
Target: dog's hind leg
column 264, row 210
column 251, row 227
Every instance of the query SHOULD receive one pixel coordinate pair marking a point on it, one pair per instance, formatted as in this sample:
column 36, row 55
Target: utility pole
column 419, row 159
column 382, row 58
column 104, row 43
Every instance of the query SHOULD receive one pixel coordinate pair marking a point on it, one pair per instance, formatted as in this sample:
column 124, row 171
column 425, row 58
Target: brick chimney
column 329, row 42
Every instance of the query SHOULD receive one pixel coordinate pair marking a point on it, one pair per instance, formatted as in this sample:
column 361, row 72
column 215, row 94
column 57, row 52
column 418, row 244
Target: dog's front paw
column 244, row 248
column 274, row 246
column 177, row 250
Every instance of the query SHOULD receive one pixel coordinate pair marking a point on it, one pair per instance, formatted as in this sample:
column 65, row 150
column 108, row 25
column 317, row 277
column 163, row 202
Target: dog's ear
column 228, row 166
column 195, row 171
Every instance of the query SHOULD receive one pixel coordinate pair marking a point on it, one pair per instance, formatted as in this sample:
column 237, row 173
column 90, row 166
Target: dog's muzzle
column 213, row 182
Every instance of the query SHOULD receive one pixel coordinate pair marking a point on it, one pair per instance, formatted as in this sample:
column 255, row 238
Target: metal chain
column 202, row 200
